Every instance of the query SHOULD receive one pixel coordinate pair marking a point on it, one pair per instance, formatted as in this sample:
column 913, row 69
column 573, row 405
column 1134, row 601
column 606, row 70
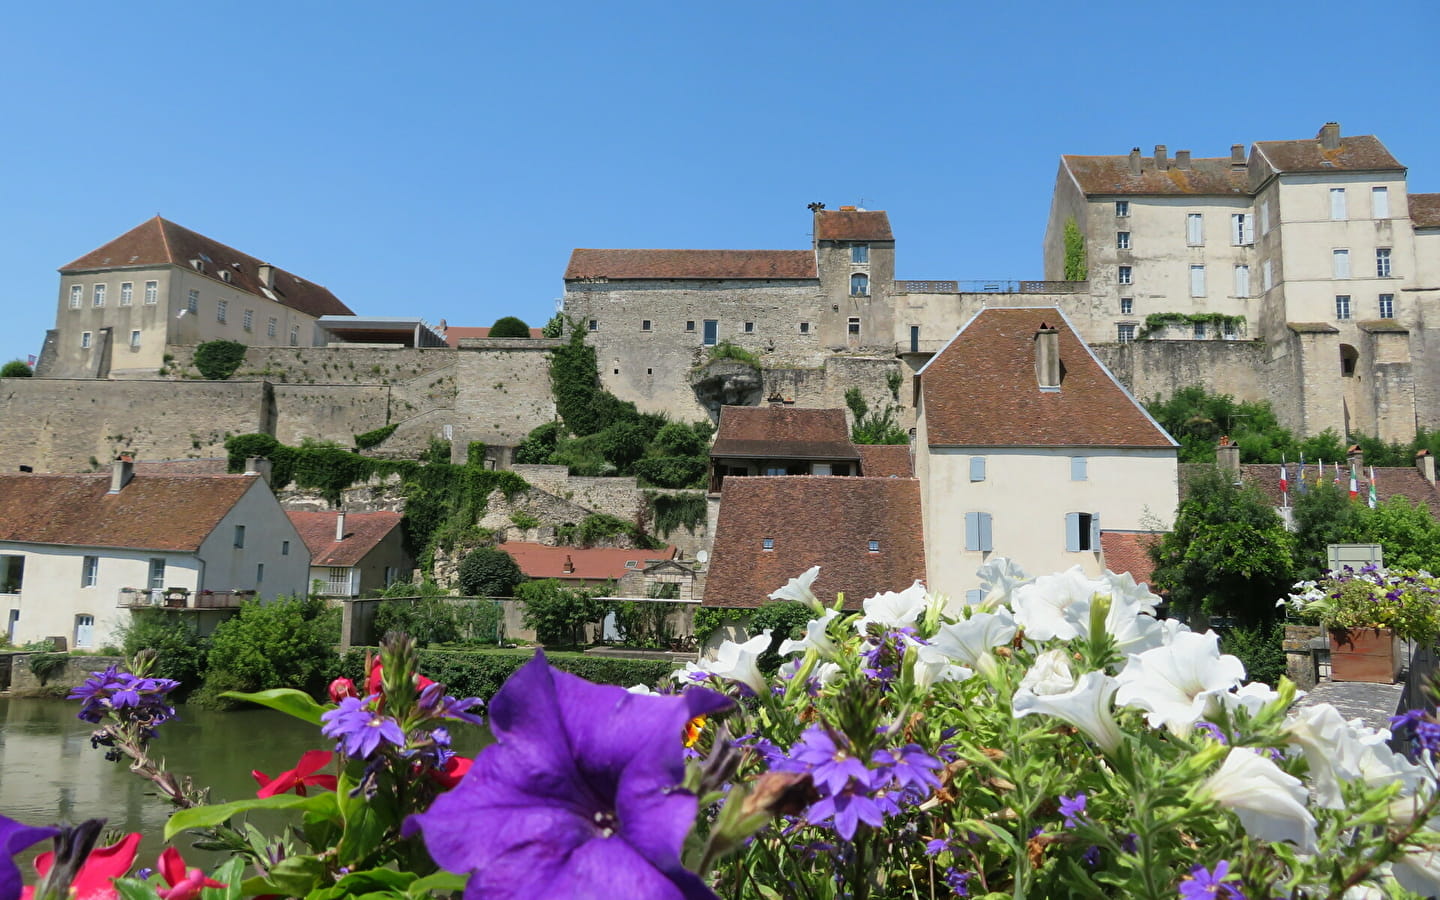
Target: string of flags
column 1302, row 481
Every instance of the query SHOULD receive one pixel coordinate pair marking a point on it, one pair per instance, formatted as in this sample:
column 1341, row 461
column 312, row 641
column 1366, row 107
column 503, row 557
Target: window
column 977, row 468
column 192, row 302
column 98, row 298
column 1349, row 356
column 1198, row 331
column 873, row 546
column 1122, row 240
column 134, row 340
column 1122, row 208
column 1197, row 281
column 1267, row 275
column 1382, row 262
column 1380, row 202
column 221, row 308
column 1242, row 229
column 239, row 536
column 1127, row 306
column 1340, row 260
column 157, row 574
column 1195, row 229
column 84, row 340
column 1229, row 329
column 1242, row 281
column 594, row 324
column 859, row 285
column 1342, row 306
column 90, row 571
column 270, row 326
column 77, row 293
column 152, row 293
column 1125, row 332
column 977, row 532
column 294, row 335
column 749, row 327
column 767, row 544
column 644, row 324
column 249, row 320
column 1082, row 532
column 854, row 325
column 1265, row 217
column 860, row 254
column 690, row 325
column 284, row 548
column 804, row 327
column 1123, row 275
column 127, row 293
column 711, row 335
column 259, row 572
column 1079, row 468
column 1337, row 204
column 1387, row 306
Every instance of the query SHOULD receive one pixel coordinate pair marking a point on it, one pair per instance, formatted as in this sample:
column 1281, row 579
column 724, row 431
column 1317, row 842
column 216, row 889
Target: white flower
column 933, row 664
column 798, row 589
column 893, row 610
column 1133, row 630
column 1050, row 674
column 1338, row 751
column 1252, row 697
column 1176, row 683
column 999, row 578
column 1040, row 604
column 1419, row 870
column 969, row 640
column 825, row 672
column 1122, row 586
column 1086, row 706
column 815, row 636
column 1270, row 803
column 640, row 689
column 736, row 662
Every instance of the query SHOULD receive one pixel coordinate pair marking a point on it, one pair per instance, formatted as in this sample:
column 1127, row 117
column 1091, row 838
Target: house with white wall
column 353, row 554
column 78, row 553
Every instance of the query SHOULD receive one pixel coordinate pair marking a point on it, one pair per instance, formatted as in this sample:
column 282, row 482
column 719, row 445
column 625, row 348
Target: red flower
column 454, row 769
column 96, row 878
column 373, row 683
column 295, row 779
column 341, row 688
column 184, row 885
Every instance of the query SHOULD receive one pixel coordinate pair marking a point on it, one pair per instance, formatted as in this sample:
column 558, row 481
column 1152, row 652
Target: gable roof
column 363, row 531
column 158, row 242
column 1356, row 152
column 980, row 390
column 152, row 512
column 642, row 264
column 852, row 225
column 1127, row 551
column 1425, row 210
column 1112, row 175
column 886, row 460
column 826, row 521
column 591, row 563
column 783, row 431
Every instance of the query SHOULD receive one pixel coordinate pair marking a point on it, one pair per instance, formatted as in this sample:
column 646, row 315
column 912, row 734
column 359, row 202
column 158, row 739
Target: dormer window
column 874, row 546
column 767, row 544
column 197, row 264
column 225, row 276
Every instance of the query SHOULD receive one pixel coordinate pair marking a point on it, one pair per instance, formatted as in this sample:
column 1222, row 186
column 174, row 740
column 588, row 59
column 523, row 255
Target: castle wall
column 1159, row 368
column 502, row 394
column 320, row 365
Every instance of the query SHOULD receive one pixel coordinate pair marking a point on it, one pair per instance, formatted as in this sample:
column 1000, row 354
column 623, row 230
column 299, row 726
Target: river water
column 49, row 772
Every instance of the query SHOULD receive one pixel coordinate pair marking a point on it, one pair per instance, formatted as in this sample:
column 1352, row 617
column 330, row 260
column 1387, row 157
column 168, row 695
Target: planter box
column 1364, row 654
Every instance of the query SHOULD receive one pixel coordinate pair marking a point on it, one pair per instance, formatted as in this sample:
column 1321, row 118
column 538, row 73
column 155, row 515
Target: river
column 49, row 772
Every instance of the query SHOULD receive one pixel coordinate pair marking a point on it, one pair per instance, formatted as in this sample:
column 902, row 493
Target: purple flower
column 849, row 808
column 1201, row 883
column 911, row 766
column 958, row 881
column 578, row 796
column 831, row 767
column 1213, row 730
column 1072, row 808
column 1417, row 725
column 359, row 730
column 15, row 837
column 1091, row 857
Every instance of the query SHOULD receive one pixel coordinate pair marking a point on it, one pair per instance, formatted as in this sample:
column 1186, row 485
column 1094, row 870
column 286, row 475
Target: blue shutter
column 1078, row 468
column 972, row 531
column 1072, row 532
column 985, row 543
column 977, row 468
column 974, row 596
column 1095, row 532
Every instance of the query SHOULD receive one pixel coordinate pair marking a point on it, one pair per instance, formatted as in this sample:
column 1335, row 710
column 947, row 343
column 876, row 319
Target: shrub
column 218, row 360
column 479, row 673
column 727, row 350
column 376, row 437
column 181, row 651
column 429, row 620
column 535, row 450
column 16, row 368
column 1260, row 647
column 286, row 643
column 679, row 439
column 558, row 614
column 509, row 327
column 555, row 327
column 488, row 572
column 47, row 665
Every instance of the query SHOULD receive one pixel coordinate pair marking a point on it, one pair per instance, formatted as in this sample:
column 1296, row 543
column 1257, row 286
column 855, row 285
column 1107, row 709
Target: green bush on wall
column 469, row 673
column 218, row 360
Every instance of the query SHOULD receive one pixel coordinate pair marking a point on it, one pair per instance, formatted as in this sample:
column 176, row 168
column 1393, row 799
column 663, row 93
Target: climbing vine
column 673, row 511
column 1158, row 321
column 1076, row 268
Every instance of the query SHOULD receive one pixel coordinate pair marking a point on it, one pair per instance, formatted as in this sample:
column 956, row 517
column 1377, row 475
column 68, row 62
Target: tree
column 1406, row 531
column 878, row 427
column 1075, row 266
column 509, row 327
column 1324, row 515
column 488, row 572
column 15, row 368
column 557, row 614
column 555, row 327
column 218, row 360
column 1229, row 552
column 287, row 643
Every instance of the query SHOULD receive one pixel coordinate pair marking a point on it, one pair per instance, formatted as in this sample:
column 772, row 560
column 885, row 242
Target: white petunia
column 1086, row 706
column 1419, row 870
column 815, row 637
column 825, row 672
column 893, row 610
column 933, row 665
column 1050, row 674
column 1122, row 586
column 735, row 662
column 999, row 578
column 1040, row 604
column 1251, row 697
column 1269, row 803
column 798, row 589
column 640, row 689
column 970, row 640
column 1176, row 684
column 1133, row 630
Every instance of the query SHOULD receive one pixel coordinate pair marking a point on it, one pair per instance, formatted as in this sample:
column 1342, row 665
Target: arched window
column 859, row 285
column 1348, row 358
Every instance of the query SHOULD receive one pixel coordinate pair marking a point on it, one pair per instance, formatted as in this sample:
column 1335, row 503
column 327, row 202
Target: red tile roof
column 1425, row 210
column 454, row 333
column 1112, row 175
column 886, row 460
column 826, row 521
column 1390, row 481
column 783, row 431
column 590, row 564
column 642, row 264
column 1126, row 551
column 158, row 242
column 152, row 512
column 852, row 225
column 981, row 390
column 1356, row 152
column 363, row 531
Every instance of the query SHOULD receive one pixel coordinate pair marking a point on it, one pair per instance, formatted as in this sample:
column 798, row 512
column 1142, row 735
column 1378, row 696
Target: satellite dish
column 702, row 556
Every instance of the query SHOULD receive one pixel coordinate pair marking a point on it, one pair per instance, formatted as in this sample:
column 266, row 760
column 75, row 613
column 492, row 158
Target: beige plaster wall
column 231, row 568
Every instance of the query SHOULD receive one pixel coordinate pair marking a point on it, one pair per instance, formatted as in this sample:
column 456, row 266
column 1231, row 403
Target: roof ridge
column 165, row 237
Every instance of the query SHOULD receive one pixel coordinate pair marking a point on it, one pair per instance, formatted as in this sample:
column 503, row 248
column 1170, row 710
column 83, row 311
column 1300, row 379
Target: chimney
column 569, row 567
column 121, row 471
column 1227, row 456
column 1237, row 156
column 1426, row 464
column 1047, row 358
column 1329, row 136
column 340, row 526
column 1134, row 160
column 1182, row 159
column 1356, row 457
column 267, row 275
column 1160, row 161
column 258, row 466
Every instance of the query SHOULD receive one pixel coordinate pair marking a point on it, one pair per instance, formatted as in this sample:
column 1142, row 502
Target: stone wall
column 503, row 394
column 618, row 497
column 1160, row 368
column 25, row 683
column 322, row 365
column 329, row 412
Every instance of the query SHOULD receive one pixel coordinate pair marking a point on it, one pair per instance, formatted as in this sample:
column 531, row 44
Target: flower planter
column 1364, row 654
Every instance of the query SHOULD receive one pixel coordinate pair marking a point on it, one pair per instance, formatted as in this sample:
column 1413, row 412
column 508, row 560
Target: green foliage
column 218, row 360
column 1407, row 531
column 47, row 665
column 1076, row 268
column 16, row 368
column 555, row 327
column 574, row 381
column 878, row 427
column 672, row 471
column 679, row 439
column 286, row 643
column 181, row 653
column 557, row 614
column 436, row 620
column 597, row 527
column 522, row 519
column 785, row 620
column 488, row 572
column 1228, row 554
column 893, row 380
column 727, row 350
column 374, row 438
column 646, row 623
column 241, row 447
column 1324, row 514
column 1198, row 419
column 672, row 511
column 539, row 444
column 480, row 673
column 475, row 454
column 1260, row 647
column 1218, row 322
column 509, row 327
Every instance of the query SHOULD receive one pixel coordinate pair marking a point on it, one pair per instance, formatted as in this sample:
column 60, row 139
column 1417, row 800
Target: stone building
column 122, row 305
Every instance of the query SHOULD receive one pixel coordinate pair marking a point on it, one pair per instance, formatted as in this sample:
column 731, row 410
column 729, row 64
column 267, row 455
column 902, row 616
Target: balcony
column 993, row 286
column 180, row 598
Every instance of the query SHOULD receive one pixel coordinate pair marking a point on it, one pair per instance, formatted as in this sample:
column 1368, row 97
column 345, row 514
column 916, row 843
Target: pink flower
column 341, row 688
column 184, row 884
column 95, row 879
column 295, row 779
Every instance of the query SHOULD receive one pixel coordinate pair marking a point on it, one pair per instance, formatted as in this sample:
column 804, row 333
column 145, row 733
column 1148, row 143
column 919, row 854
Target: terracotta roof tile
column 1111, row 175
column 886, row 460
column 852, row 225
column 590, row 564
column 152, row 512
column 981, row 390
column 1425, row 210
column 826, row 521
column 363, row 530
column 1126, row 551
column 1356, row 152
column 1390, row 481
column 158, row 242
column 642, row 264
column 783, row 431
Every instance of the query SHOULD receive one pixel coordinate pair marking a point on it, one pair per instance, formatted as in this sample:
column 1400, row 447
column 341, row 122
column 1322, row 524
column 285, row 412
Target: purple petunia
column 360, row 731
column 1202, row 883
column 578, row 797
column 15, row 837
column 1418, row 726
column 112, row 692
column 1072, row 808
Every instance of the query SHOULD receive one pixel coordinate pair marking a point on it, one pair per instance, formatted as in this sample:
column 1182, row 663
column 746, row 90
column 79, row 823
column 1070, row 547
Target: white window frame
column 85, row 341
column 294, row 335
column 1125, row 333
column 1127, row 306
column 1387, row 306
column 1380, row 202
column 152, row 293
column 859, row 284
column 767, row 544
column 270, row 326
column 222, row 310
column 1342, row 306
column 645, row 325
column 249, row 320
column 1340, row 263
column 1122, row 209
column 1242, row 229
column 90, row 571
column 749, row 327
column 1264, row 216
column 1082, row 532
column 1339, row 208
column 1197, row 331
column 135, row 339
column 1242, row 281
column 1122, row 240
column 1124, row 275
column 860, row 254
column 1267, row 274
column 1382, row 262
column 192, row 302
column 852, row 326
column 97, row 297
column 1197, row 281
column 1195, row 229
column 77, row 296
column 127, row 293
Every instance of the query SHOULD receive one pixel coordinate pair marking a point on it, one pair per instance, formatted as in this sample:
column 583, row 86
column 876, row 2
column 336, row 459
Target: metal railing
column 992, row 286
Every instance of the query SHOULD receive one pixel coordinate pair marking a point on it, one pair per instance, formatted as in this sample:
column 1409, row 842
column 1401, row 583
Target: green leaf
column 367, row 822
column 208, row 816
column 287, row 700
column 294, row 876
column 131, row 889
column 370, row 883
column 440, row 882
column 231, row 875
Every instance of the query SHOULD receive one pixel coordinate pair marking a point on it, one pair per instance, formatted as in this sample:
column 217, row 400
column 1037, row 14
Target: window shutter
column 972, row 531
column 1337, row 203
column 1079, row 468
column 1095, row 531
column 974, row 596
column 1242, row 281
column 977, row 468
column 1072, row 532
column 985, row 543
column 1197, row 281
column 1380, row 203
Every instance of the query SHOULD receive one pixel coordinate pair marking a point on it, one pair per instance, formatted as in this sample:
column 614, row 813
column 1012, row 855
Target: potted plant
column 1366, row 613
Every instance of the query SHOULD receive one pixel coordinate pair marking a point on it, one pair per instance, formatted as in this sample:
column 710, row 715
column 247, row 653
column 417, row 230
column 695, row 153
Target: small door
column 84, row 631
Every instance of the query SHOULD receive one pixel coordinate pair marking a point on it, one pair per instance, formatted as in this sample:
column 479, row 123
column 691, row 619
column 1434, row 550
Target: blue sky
column 443, row 159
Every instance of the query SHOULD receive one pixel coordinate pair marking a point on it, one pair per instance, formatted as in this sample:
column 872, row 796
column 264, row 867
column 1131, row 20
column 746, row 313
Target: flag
column 1337, row 473
column 30, row 361
column 1284, row 482
column 1354, row 485
column 1300, row 477
column 1372, row 487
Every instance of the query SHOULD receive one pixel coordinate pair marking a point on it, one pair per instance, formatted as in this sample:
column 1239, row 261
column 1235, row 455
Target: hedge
column 479, row 673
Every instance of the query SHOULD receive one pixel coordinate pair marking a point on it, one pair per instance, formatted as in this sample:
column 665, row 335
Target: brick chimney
column 1426, row 464
column 1329, row 136
column 1047, row 358
column 1161, row 162
column 1182, row 159
column 340, row 526
column 258, row 466
column 121, row 471
column 1227, row 456
column 1134, row 160
column 1356, row 458
column 569, row 567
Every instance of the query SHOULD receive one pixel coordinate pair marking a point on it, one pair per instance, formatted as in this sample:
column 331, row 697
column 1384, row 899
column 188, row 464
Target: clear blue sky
column 443, row 159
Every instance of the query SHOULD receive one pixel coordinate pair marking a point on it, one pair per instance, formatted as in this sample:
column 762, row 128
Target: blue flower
column 1201, row 883
column 1072, row 808
column 360, row 730
column 14, row 838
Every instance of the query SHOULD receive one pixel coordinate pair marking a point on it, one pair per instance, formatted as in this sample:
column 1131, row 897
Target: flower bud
column 341, row 688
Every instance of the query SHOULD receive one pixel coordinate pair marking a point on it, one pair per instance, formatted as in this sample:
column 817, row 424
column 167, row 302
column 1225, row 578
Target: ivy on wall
column 1158, row 321
column 1076, row 267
